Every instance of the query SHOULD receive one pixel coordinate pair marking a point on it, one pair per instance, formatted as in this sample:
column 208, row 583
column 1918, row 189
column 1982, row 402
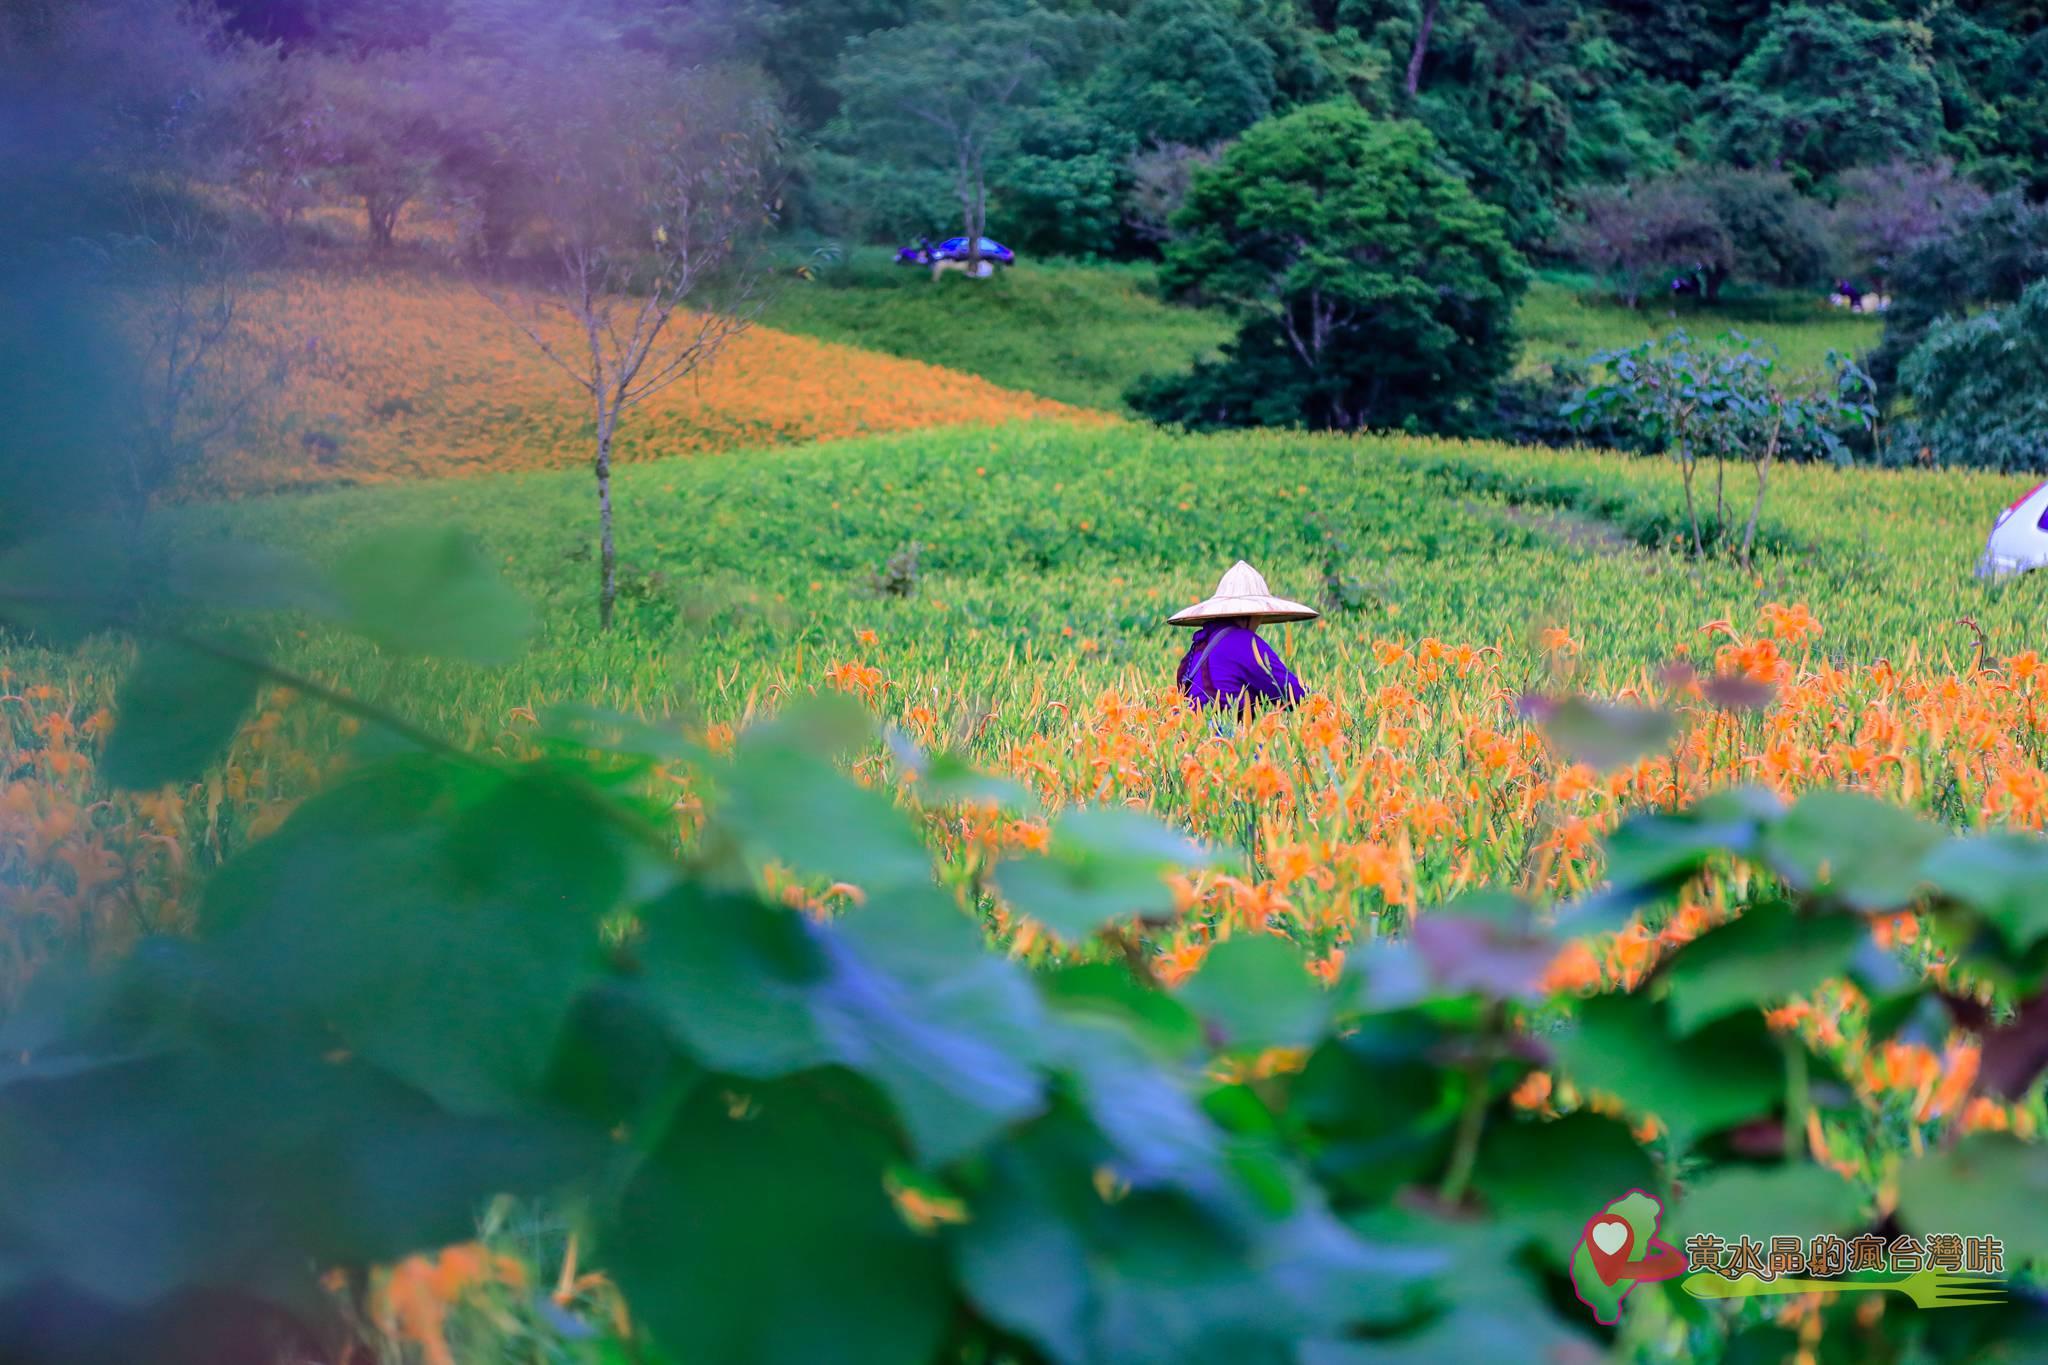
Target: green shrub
column 1976, row 389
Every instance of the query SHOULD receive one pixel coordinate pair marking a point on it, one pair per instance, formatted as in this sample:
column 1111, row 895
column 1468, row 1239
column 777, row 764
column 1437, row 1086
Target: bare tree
column 651, row 189
column 153, row 102
column 204, row 370
column 1419, row 53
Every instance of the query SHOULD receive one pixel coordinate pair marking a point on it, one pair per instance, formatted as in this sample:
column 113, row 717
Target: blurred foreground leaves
column 449, row 977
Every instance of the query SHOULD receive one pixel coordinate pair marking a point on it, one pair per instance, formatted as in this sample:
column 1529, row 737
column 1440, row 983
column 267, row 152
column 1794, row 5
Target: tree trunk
column 608, row 583
column 1685, row 471
column 380, row 213
column 1720, row 504
column 1420, row 52
column 1763, row 470
column 970, row 187
column 980, row 227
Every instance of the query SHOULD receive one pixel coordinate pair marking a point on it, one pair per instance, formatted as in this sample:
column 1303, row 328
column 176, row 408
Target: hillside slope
column 395, row 378
column 1076, row 332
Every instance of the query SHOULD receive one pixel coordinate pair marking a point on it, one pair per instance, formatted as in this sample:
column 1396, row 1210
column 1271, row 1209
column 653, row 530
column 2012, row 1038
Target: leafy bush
column 1990, row 258
column 1377, row 291
column 1775, row 233
column 1724, row 402
column 1975, row 386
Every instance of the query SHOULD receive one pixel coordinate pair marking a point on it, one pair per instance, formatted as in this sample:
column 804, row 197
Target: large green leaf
column 1652, row 855
column 1771, row 952
column 794, row 805
column 237, row 576
column 576, row 725
column 247, row 1168
column 1547, row 1177
column 2003, row 876
column 1255, row 992
column 67, row 584
column 952, row 1032
column 1153, row 1275
column 1603, row 734
column 441, row 920
column 1158, row 1133
column 1723, row 1073
column 1100, row 989
column 1760, row 1201
column 1987, row 1185
column 1106, row 863
column 1484, row 944
column 428, row 591
column 761, row 1231
column 177, row 711
column 1484, row 1304
column 902, row 992
column 1858, row 849
column 732, row 979
column 1379, row 1103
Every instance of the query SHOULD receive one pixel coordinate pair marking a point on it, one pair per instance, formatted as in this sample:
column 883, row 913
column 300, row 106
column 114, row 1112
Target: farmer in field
column 1227, row 664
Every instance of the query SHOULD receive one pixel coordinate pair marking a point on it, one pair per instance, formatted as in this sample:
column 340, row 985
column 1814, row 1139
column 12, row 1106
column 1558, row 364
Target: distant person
column 1227, row 664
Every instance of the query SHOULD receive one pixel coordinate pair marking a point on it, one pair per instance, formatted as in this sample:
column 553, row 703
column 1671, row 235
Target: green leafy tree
column 1186, row 72
column 1776, row 235
column 1059, row 176
column 949, row 93
column 1824, row 89
column 1974, row 385
column 1376, row 289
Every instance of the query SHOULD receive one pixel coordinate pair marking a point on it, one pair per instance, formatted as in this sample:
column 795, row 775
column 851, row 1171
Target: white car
column 2019, row 538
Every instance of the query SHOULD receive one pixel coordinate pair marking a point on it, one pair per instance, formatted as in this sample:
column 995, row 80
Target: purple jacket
column 1228, row 664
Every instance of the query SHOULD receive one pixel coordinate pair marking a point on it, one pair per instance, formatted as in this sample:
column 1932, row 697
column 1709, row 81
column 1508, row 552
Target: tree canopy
column 1377, row 289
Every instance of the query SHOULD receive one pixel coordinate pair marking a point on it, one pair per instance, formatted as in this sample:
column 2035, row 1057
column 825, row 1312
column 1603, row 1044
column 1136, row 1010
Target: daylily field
column 1486, row 588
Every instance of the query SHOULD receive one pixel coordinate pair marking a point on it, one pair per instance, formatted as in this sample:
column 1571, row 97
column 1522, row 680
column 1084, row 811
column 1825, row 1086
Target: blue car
column 954, row 249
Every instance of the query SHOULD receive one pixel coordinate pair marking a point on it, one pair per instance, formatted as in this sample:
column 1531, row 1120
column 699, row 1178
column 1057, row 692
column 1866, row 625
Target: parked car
column 2019, row 537
column 953, row 249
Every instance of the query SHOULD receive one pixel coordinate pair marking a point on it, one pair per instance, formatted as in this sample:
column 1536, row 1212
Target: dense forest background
column 1366, row 184
column 1089, row 106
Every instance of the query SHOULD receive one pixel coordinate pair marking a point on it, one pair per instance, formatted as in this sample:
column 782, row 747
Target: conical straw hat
column 1243, row 594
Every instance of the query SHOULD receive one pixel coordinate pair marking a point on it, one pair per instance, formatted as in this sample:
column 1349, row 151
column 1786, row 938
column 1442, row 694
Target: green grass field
column 1572, row 315
column 1078, row 333
column 1083, row 333
column 742, row 572
column 1033, row 643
